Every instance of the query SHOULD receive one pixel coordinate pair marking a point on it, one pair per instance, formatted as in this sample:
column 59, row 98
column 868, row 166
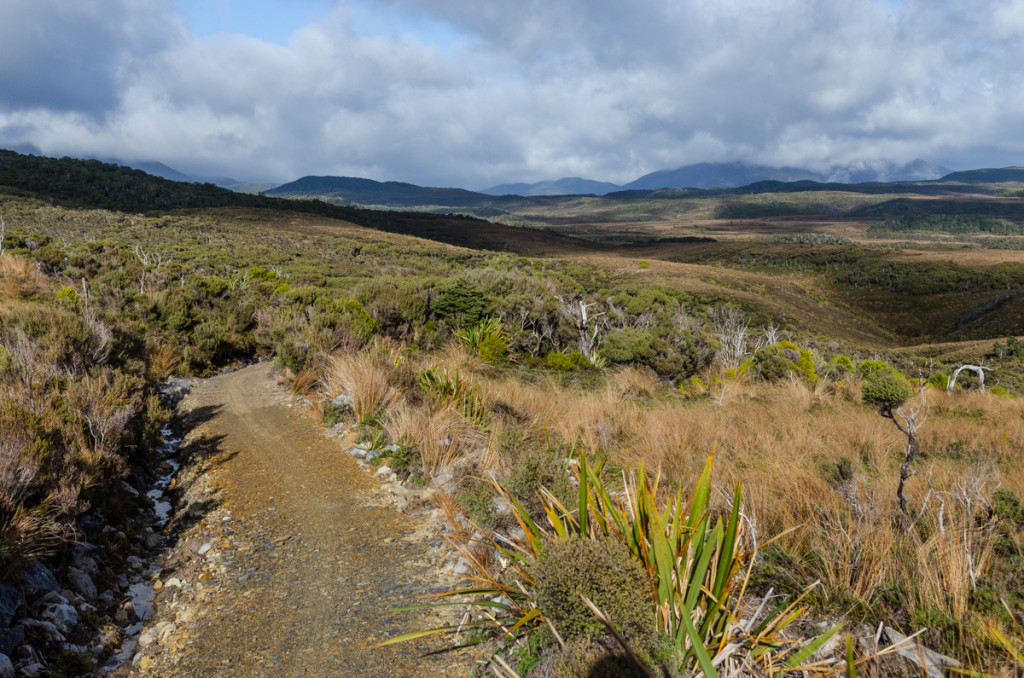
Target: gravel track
column 300, row 579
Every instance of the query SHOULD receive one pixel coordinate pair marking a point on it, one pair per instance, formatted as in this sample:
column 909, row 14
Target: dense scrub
column 77, row 411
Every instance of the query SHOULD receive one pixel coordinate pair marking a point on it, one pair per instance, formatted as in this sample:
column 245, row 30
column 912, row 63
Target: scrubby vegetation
column 567, row 406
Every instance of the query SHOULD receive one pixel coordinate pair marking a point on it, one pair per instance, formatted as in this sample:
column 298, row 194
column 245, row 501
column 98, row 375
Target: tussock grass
column 364, row 377
column 816, row 464
column 442, row 437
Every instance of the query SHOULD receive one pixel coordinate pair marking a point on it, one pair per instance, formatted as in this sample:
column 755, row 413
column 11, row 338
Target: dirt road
column 303, row 563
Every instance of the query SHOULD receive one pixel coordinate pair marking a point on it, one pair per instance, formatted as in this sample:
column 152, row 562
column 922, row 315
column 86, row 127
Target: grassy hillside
column 92, row 184
column 369, row 192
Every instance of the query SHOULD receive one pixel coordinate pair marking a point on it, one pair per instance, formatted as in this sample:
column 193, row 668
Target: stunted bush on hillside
column 882, row 386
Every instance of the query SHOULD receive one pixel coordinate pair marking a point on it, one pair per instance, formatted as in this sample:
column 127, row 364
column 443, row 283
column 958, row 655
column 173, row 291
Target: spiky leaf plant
column 694, row 559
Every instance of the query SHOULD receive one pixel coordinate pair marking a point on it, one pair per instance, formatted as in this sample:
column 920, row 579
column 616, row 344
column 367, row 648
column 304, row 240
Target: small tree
column 887, row 390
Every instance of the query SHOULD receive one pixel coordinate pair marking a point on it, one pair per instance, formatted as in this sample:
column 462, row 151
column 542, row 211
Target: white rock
column 204, row 549
column 147, row 638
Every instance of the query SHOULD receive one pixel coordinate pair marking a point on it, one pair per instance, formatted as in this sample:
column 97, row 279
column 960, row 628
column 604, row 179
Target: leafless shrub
column 106, row 410
column 586, row 321
column 732, row 327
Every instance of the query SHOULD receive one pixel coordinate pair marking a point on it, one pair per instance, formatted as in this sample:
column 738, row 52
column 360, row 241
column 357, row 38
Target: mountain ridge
column 712, row 175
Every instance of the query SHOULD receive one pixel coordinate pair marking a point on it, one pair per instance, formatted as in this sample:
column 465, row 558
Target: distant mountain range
column 728, row 175
column 566, row 186
column 158, row 169
column 988, row 176
column 700, row 176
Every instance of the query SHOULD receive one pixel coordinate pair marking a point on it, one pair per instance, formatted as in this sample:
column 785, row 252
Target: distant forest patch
column 946, row 223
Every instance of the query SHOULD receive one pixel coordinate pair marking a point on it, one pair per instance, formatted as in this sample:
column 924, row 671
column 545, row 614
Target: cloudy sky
column 474, row 93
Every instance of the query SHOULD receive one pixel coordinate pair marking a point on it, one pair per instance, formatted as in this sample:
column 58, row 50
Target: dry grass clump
column 162, row 361
column 442, row 437
column 365, row 378
column 634, row 382
column 20, row 277
column 304, row 382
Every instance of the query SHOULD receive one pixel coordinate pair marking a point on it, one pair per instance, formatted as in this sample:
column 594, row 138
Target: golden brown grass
column 814, row 461
column 20, row 277
column 305, row 381
column 365, row 378
column 442, row 437
column 163, row 361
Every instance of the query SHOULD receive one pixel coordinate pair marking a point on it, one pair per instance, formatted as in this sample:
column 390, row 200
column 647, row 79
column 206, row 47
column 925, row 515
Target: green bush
column 778, row 361
column 477, row 499
column 579, row 361
column 939, row 381
column 358, row 321
column 257, row 273
column 604, row 571
column 493, row 349
column 843, row 363
column 774, row 362
column 559, row 361
column 883, row 386
column 67, row 297
column 461, row 303
column 334, row 414
column 1006, row 504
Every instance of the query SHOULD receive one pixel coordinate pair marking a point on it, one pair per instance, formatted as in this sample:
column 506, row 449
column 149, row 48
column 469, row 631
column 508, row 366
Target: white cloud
column 529, row 89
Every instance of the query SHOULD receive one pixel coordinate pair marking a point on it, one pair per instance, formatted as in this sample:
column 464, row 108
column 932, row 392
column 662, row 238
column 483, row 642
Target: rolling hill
column 370, row 192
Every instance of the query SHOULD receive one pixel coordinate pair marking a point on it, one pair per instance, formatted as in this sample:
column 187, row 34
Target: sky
column 472, row 94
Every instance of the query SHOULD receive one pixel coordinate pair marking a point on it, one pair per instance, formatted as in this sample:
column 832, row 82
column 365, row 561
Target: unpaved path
column 300, row 579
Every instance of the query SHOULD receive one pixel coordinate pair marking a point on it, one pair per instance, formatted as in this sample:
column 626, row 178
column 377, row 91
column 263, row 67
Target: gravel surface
column 294, row 561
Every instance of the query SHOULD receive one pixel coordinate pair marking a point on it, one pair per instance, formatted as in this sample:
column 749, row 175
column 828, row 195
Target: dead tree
column 908, row 421
column 586, row 323
column 977, row 369
column 150, row 261
column 3, row 232
column 732, row 327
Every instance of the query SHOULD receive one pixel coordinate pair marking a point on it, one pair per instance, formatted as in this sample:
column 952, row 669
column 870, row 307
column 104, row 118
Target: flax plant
column 696, row 562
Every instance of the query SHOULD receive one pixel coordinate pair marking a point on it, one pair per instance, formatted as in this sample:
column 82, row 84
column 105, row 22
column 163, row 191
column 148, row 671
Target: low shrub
column 883, row 386
column 605, row 572
column 560, row 362
column 778, row 361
